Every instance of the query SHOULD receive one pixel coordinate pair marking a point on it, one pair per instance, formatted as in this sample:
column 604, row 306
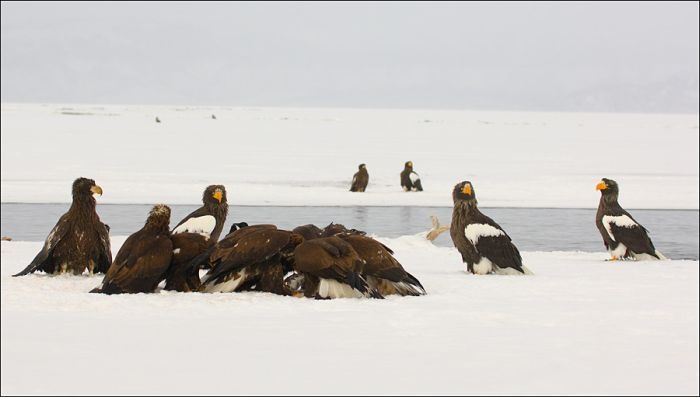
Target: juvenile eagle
column 360, row 179
column 144, row 257
column 254, row 258
column 381, row 270
column 79, row 240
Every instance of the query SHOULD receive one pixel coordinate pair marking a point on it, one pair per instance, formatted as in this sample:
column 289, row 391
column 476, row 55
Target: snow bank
column 579, row 326
column 277, row 156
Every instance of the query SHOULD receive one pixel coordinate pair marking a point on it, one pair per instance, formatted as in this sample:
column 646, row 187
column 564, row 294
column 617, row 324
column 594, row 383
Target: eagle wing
column 199, row 221
column 635, row 238
column 105, row 257
column 499, row 249
column 251, row 248
column 379, row 262
column 141, row 264
column 43, row 260
column 353, row 185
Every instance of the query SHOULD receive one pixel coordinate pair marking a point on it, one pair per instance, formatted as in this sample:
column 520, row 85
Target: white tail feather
column 226, row 286
column 328, row 288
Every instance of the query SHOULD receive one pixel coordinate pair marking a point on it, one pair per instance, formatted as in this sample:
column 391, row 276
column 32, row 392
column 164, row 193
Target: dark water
column 674, row 232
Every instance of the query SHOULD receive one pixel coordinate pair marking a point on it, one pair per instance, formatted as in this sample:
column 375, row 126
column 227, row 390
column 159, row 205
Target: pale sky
column 634, row 57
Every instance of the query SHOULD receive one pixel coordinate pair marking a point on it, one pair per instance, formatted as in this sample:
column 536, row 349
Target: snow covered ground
column 278, row 156
column 579, row 326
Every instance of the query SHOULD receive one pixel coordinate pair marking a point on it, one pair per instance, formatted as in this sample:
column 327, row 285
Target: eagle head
column 85, row 187
column 464, row 191
column 159, row 216
column 214, row 194
column 607, row 186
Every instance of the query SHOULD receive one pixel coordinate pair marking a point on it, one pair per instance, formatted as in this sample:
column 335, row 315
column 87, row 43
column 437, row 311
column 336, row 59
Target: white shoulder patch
column 203, row 225
column 413, row 177
column 476, row 230
column 621, row 221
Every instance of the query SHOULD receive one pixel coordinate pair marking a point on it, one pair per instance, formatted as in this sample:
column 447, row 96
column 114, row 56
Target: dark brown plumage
column 79, row 240
column 191, row 238
column 338, row 229
column 331, row 268
column 622, row 235
column 360, row 179
column 254, row 257
column 410, row 181
column 485, row 247
column 381, row 270
column 143, row 259
column 309, row 232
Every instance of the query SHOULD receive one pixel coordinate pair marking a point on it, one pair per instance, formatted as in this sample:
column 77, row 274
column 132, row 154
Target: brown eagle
column 360, row 179
column 309, row 232
column 79, row 240
column 254, row 258
column 484, row 245
column 381, row 270
column 622, row 235
column 142, row 261
column 410, row 181
column 196, row 233
column 327, row 268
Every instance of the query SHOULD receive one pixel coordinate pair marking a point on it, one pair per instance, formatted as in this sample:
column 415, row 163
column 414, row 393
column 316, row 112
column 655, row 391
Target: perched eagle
column 623, row 236
column 142, row 261
column 381, row 270
column 410, row 181
column 484, row 245
column 193, row 236
column 79, row 240
column 329, row 268
column 254, row 257
column 360, row 179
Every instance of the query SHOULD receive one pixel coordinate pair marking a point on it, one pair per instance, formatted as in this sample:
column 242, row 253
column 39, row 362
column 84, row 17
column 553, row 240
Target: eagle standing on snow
column 79, row 240
column 193, row 236
column 484, row 245
column 360, row 179
column 253, row 258
column 141, row 262
column 410, row 181
column 622, row 235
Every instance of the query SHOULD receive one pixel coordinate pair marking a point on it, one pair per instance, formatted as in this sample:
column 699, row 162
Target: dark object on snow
column 484, row 245
column 622, row 235
column 79, row 240
column 360, row 179
column 410, row 181
column 331, row 268
column 143, row 259
column 252, row 258
column 193, row 236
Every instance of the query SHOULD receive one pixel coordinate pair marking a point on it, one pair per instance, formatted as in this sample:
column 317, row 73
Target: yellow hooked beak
column 601, row 186
column 467, row 189
column 96, row 189
column 218, row 195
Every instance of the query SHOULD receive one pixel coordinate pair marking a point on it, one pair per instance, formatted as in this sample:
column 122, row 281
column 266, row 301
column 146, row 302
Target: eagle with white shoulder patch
column 203, row 225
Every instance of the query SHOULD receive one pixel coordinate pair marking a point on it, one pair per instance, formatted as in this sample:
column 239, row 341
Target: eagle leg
column 91, row 267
